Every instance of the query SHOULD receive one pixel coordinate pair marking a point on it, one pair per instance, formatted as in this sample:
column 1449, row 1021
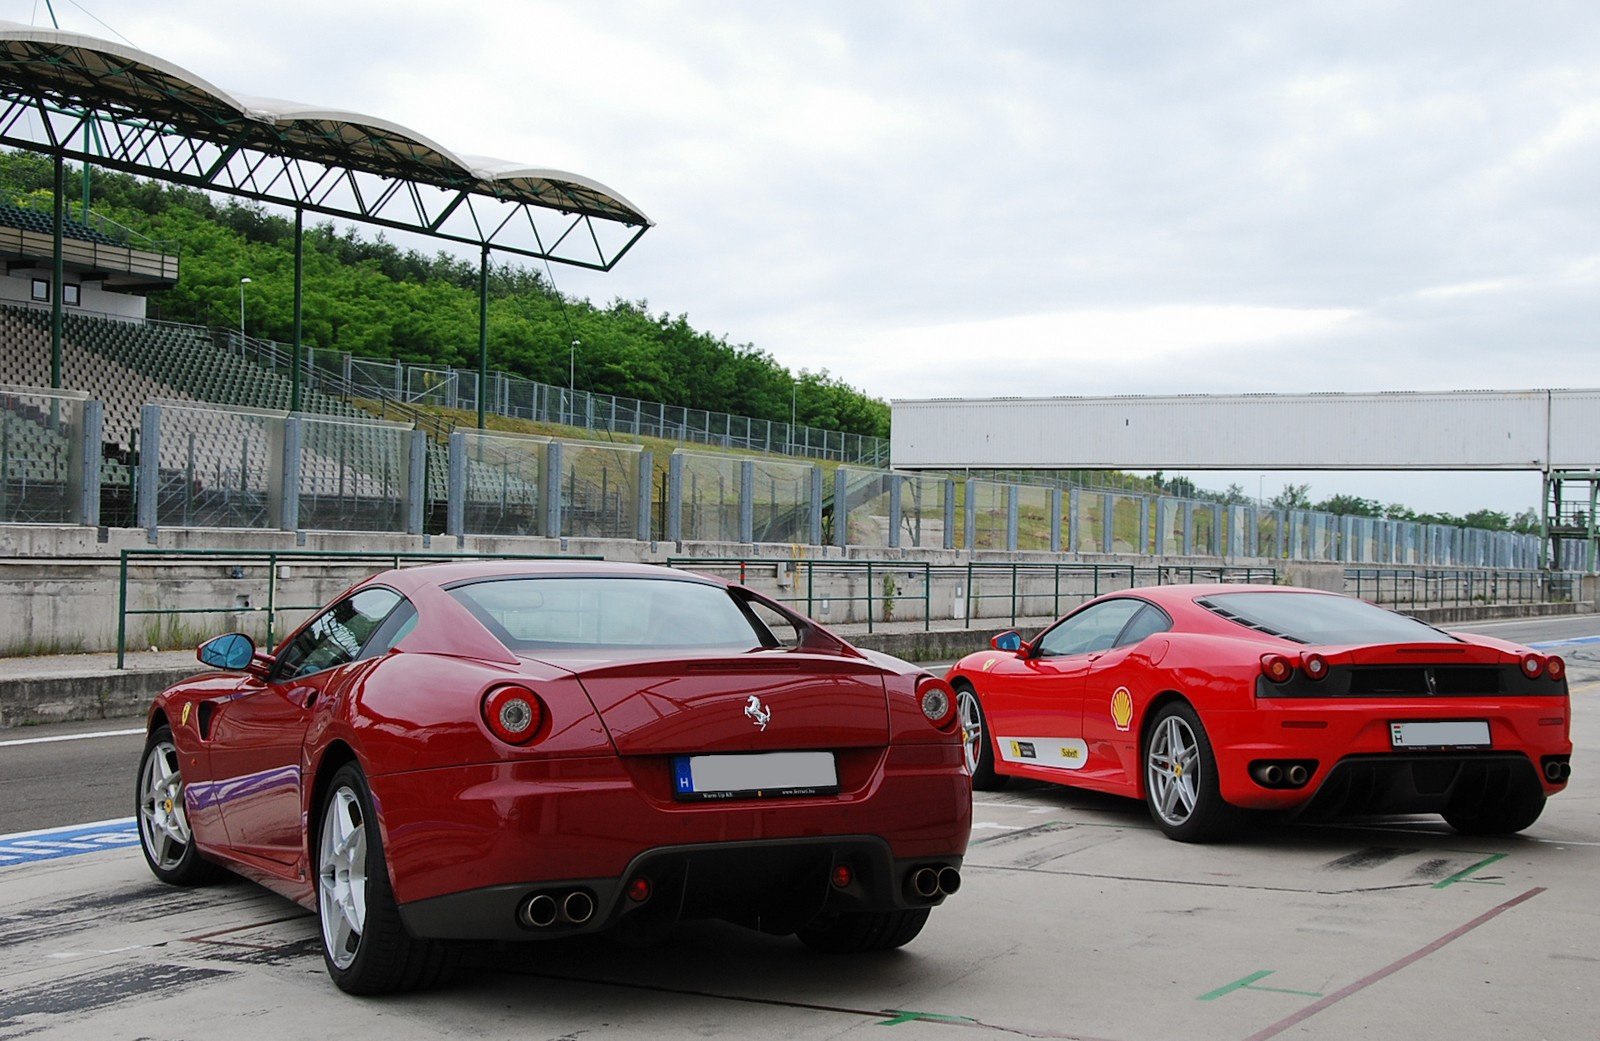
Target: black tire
column 1180, row 778
column 366, row 949
column 856, row 932
column 164, row 833
column 1517, row 808
column 978, row 742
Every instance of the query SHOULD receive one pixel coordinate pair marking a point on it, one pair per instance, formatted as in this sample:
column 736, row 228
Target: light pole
column 242, row 283
column 572, row 382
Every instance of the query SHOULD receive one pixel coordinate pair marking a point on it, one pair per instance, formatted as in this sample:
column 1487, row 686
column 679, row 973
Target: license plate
column 757, row 775
column 1455, row 733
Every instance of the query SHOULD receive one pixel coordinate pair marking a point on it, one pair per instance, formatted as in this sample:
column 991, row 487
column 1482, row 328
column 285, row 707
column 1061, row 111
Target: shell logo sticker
column 988, row 663
column 1122, row 708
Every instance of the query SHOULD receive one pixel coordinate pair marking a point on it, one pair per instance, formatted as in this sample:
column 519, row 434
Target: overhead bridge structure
column 1553, row 432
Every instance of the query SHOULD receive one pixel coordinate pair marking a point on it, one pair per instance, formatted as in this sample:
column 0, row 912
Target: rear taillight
column 1532, row 665
column 937, row 700
column 1315, row 666
column 514, row 714
column 1276, row 668
column 1556, row 667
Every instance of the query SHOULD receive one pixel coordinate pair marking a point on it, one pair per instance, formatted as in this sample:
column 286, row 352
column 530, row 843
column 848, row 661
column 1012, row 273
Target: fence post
column 1108, row 518
column 647, row 487
column 894, row 511
column 87, row 510
column 816, row 505
column 949, row 513
column 1013, row 494
column 416, row 481
column 972, row 516
column 675, row 499
column 456, row 503
column 747, row 500
column 841, row 508
column 293, row 437
column 552, row 490
column 1055, row 519
column 149, row 474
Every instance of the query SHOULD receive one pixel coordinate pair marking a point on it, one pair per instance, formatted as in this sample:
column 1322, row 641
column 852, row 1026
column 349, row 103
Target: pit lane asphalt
column 1077, row 919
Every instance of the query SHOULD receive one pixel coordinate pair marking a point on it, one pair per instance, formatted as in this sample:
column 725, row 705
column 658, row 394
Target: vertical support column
column 58, row 272
column 456, row 506
column 1074, row 511
column 949, row 513
column 1188, row 528
column 816, row 505
column 894, row 510
column 1055, row 520
column 293, row 439
column 86, row 510
column 416, row 482
column 552, row 490
column 1013, row 495
column 483, row 335
column 299, row 305
column 747, row 501
column 149, row 475
column 1142, row 549
column 841, row 508
column 972, row 515
column 647, row 488
column 1108, row 523
column 1163, row 521
column 675, row 499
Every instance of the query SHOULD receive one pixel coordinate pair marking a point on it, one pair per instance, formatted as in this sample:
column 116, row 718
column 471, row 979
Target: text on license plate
column 754, row 775
column 1453, row 733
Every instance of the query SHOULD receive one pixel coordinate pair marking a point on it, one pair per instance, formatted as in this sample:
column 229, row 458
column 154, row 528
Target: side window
column 1092, row 629
column 1147, row 622
column 336, row 636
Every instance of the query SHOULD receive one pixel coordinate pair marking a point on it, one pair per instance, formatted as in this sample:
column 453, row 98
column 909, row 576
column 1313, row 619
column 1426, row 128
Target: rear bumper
column 776, row 886
column 1353, row 766
column 590, row 820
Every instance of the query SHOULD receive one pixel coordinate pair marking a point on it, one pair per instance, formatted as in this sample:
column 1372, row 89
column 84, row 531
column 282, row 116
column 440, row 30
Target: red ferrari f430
column 1211, row 701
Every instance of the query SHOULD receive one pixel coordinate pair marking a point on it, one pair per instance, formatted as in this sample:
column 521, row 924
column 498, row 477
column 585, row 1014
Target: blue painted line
column 1573, row 642
column 30, row 847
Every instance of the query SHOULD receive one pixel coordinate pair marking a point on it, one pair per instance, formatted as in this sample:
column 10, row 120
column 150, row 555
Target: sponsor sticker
column 1122, row 708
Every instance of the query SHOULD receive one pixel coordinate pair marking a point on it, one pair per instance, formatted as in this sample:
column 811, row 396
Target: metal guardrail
column 272, row 560
column 1061, row 586
column 1452, row 587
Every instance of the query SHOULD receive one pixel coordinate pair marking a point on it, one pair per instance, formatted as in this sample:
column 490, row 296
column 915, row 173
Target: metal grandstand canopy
column 106, row 104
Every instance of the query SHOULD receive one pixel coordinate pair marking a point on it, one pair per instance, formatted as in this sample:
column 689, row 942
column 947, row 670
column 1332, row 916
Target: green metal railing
column 240, row 562
column 1060, row 586
column 1449, row 587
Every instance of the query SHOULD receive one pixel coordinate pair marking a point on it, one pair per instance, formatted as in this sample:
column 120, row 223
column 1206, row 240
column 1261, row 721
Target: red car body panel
column 1081, row 719
column 462, row 812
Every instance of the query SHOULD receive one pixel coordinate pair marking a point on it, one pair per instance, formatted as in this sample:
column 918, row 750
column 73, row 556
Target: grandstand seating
column 44, row 224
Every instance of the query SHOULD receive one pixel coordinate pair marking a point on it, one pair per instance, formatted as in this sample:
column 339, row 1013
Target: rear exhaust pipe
column 538, row 911
column 923, row 883
column 1298, row 775
column 1555, row 771
column 1272, row 774
column 949, row 881
column 578, row 907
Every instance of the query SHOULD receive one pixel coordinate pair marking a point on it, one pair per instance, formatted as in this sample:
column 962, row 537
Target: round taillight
column 1276, row 668
column 1532, row 665
column 514, row 714
column 937, row 701
column 1315, row 666
column 639, row 889
column 842, row 876
column 1556, row 667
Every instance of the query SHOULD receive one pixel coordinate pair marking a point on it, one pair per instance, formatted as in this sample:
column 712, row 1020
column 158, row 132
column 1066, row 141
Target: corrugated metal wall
column 1453, row 430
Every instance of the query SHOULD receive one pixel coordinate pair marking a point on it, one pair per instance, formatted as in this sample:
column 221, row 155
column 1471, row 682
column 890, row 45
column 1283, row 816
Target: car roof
column 409, row 579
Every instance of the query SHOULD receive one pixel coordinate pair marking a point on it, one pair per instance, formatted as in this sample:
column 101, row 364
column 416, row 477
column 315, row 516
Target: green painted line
column 1248, row 983
column 1461, row 876
column 900, row 1016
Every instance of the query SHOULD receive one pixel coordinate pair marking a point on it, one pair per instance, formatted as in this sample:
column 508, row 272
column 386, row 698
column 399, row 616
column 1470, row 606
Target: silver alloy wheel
column 163, row 826
column 972, row 736
column 1172, row 770
column 342, row 877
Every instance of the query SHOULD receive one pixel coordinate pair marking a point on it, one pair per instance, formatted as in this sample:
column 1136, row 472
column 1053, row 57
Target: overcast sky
column 935, row 199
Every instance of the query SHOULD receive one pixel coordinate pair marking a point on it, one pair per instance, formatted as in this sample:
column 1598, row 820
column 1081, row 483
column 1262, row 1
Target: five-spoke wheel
column 1180, row 776
column 164, row 832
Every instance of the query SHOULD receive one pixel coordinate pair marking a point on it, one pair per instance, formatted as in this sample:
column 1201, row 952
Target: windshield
column 534, row 613
column 1322, row 618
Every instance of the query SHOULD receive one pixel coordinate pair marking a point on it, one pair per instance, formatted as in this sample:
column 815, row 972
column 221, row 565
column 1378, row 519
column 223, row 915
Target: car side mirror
column 233, row 651
column 1010, row 640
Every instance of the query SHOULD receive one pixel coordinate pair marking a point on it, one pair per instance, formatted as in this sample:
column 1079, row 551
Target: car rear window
column 534, row 613
column 1321, row 618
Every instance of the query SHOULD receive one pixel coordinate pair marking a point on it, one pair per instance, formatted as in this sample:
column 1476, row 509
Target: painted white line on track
column 70, row 737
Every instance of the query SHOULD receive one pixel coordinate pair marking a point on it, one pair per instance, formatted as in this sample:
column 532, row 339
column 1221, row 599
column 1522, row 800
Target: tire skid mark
column 73, row 996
